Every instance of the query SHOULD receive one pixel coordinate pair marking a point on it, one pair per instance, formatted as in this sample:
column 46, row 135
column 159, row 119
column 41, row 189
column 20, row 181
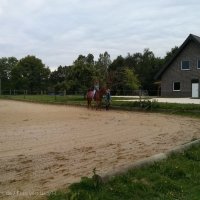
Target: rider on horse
column 96, row 94
column 96, row 88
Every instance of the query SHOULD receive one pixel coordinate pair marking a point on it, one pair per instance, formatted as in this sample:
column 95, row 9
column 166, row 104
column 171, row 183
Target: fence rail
column 70, row 92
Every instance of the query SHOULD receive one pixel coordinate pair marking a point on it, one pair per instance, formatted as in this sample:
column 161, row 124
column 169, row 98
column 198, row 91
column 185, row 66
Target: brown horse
column 97, row 98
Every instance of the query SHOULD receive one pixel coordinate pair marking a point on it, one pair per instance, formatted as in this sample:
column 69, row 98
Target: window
column 195, row 80
column 176, row 86
column 198, row 64
column 185, row 65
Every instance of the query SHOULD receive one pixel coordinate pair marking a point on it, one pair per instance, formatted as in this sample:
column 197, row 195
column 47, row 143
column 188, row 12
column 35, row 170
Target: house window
column 176, row 86
column 185, row 65
column 198, row 64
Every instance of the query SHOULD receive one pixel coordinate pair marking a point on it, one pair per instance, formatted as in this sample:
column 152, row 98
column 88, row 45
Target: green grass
column 177, row 178
column 52, row 99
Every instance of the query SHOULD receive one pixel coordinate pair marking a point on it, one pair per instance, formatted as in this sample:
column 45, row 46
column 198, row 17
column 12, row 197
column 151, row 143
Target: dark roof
column 191, row 37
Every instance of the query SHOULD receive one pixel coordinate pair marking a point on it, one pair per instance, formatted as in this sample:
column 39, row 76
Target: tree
column 90, row 59
column 146, row 66
column 143, row 65
column 83, row 72
column 30, row 74
column 6, row 66
column 131, row 81
column 115, row 74
column 170, row 53
column 58, row 75
column 102, row 66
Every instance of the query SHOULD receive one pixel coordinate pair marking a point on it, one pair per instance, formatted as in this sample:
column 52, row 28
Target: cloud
column 58, row 31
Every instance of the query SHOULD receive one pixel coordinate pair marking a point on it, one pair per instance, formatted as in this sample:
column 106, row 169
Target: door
column 195, row 90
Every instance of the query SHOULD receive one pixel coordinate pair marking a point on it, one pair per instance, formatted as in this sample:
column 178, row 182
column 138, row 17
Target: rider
column 96, row 87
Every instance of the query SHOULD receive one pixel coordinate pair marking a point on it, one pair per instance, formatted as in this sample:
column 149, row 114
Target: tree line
column 132, row 72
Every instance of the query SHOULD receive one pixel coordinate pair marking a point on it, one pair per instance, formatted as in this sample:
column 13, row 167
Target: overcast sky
column 57, row 31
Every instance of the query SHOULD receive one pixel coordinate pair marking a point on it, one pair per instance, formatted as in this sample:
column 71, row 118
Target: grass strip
column 176, row 178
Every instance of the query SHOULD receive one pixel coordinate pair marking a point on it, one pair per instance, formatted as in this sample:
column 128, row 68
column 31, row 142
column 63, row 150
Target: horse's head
column 103, row 90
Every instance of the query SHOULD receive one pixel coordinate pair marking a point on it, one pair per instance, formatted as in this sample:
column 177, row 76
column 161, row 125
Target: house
column 180, row 77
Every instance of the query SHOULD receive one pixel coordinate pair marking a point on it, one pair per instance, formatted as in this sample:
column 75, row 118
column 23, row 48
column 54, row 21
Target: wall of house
column 175, row 74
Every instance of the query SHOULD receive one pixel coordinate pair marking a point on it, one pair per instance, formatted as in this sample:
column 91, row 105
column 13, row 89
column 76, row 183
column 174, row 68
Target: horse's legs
column 98, row 105
column 107, row 106
column 89, row 103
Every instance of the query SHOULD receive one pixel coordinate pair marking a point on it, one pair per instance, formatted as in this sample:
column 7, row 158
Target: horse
column 97, row 98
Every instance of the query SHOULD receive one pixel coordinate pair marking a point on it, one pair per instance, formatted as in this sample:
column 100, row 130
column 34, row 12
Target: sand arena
column 47, row 147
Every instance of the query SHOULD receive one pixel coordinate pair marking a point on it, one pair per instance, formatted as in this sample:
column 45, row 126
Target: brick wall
column 174, row 73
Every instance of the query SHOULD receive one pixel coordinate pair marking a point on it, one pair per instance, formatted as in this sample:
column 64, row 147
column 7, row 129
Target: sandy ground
column 46, row 147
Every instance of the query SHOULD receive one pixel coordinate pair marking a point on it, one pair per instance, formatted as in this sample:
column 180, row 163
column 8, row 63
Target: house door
column 195, row 90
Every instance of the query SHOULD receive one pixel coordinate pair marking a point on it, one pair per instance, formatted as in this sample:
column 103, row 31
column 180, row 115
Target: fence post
column 140, row 95
column 55, row 96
